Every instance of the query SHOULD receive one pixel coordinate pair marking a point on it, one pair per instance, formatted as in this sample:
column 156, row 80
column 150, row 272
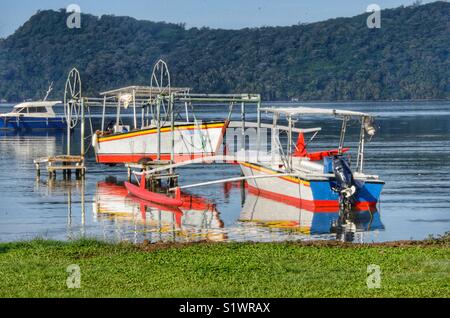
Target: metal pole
column 360, row 159
column 158, row 127
column 172, row 128
column 82, row 128
column 363, row 137
column 134, row 109
column 69, row 124
column 243, row 127
column 343, row 131
column 104, row 113
column 118, row 114
column 289, row 149
column 267, row 176
column 258, row 136
column 187, row 111
column 274, row 136
column 143, row 117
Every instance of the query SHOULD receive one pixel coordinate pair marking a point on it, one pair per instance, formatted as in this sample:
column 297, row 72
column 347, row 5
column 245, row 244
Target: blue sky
column 228, row 14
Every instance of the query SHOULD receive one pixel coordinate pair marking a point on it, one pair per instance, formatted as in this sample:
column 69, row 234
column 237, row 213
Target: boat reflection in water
column 261, row 219
column 284, row 220
column 196, row 220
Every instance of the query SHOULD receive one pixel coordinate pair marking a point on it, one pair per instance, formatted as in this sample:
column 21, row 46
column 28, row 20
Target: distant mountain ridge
column 337, row 59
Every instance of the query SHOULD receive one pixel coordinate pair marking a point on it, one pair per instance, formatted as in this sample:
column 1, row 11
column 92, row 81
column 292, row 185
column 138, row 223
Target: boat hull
column 29, row 123
column 308, row 194
column 190, row 142
column 144, row 194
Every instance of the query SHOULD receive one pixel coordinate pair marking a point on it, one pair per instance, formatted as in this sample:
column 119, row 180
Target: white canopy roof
column 37, row 104
column 292, row 111
column 143, row 91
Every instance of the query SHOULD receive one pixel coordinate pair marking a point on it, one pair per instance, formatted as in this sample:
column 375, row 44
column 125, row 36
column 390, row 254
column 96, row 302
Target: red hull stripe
column 313, row 206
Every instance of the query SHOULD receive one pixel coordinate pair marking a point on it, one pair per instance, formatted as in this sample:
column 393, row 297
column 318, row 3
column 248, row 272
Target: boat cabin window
column 37, row 110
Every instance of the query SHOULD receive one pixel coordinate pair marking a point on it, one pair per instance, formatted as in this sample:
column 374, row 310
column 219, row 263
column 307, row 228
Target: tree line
column 337, row 59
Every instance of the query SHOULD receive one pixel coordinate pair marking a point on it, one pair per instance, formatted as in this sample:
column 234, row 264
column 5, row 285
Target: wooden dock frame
column 153, row 181
column 66, row 164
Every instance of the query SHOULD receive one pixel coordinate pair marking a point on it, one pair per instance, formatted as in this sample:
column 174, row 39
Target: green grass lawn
column 38, row 269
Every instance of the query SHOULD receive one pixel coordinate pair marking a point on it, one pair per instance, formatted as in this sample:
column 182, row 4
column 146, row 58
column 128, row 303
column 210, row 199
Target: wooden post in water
column 64, row 171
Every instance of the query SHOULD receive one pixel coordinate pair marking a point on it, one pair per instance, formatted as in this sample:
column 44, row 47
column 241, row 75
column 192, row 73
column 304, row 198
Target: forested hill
column 338, row 59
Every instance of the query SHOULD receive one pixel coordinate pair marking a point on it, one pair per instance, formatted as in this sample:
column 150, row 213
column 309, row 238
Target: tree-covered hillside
column 338, row 59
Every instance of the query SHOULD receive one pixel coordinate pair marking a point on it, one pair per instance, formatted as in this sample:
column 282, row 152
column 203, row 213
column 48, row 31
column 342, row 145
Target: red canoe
column 144, row 194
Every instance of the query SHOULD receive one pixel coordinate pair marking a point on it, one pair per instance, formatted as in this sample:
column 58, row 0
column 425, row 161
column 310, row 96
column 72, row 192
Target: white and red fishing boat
column 163, row 125
column 190, row 141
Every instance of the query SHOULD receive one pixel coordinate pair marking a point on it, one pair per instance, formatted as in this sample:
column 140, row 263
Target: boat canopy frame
column 344, row 115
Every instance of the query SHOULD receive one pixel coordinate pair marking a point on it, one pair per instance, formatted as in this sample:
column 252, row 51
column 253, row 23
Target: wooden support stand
column 154, row 180
column 66, row 164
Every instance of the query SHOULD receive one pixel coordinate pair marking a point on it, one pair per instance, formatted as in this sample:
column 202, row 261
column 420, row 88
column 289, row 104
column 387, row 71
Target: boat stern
column 367, row 194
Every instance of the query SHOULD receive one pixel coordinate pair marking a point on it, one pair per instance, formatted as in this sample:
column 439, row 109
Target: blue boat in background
column 33, row 115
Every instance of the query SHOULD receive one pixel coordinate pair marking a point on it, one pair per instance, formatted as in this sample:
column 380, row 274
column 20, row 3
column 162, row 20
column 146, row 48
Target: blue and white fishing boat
column 33, row 115
column 322, row 179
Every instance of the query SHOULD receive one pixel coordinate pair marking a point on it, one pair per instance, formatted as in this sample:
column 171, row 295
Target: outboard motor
column 345, row 184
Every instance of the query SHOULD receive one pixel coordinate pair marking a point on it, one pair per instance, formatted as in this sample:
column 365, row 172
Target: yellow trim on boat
column 164, row 129
column 270, row 171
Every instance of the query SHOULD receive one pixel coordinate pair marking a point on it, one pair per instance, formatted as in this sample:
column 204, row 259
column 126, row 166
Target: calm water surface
column 411, row 153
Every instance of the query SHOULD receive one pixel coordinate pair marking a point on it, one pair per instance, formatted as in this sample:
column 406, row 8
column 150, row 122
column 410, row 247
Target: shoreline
column 9, row 103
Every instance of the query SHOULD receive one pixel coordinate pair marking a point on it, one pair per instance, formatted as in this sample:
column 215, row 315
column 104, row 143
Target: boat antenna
column 50, row 88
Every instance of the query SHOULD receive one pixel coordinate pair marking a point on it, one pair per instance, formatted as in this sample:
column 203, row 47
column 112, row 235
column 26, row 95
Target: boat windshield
column 22, row 110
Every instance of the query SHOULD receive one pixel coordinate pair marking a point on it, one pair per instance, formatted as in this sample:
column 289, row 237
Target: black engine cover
column 343, row 173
